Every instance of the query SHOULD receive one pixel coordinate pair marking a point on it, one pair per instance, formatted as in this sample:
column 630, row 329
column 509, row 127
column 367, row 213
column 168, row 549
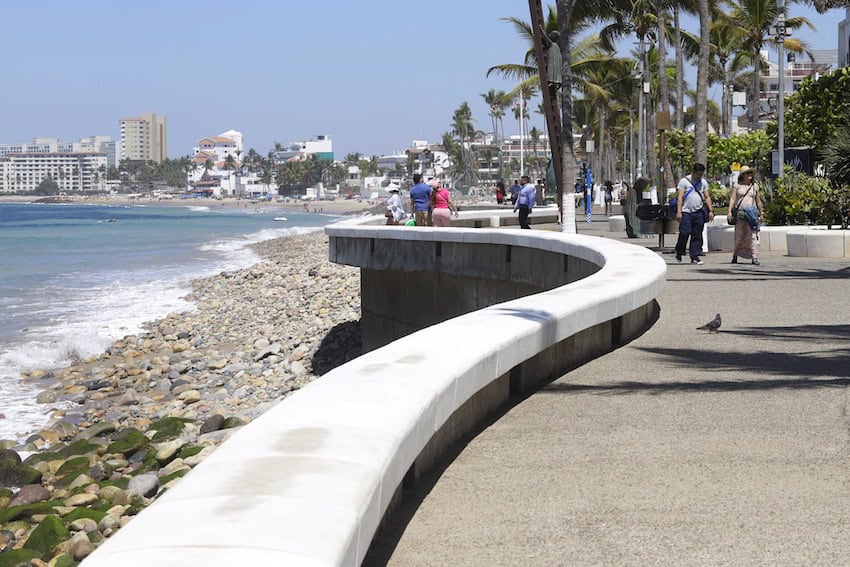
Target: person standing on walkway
column 442, row 204
column 746, row 211
column 395, row 207
column 609, row 197
column 693, row 210
column 514, row 191
column 525, row 201
column 420, row 197
column 500, row 192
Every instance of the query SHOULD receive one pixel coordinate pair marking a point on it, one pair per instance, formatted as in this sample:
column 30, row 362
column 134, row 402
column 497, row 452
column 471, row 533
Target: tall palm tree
column 754, row 18
column 639, row 17
column 701, row 126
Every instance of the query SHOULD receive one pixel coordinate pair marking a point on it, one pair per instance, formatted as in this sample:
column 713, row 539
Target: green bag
column 411, row 222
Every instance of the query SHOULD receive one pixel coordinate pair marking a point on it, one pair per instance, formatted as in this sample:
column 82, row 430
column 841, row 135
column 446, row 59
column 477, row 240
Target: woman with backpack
column 747, row 214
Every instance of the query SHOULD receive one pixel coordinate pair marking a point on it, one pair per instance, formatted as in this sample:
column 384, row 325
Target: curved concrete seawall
column 309, row 482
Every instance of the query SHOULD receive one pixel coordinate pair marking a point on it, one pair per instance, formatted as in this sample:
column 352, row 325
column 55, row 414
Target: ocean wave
column 199, row 208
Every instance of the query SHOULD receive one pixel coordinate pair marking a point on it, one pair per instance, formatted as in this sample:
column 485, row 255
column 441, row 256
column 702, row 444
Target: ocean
column 73, row 278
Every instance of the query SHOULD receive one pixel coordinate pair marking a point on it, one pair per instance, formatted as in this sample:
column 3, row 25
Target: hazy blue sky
column 372, row 74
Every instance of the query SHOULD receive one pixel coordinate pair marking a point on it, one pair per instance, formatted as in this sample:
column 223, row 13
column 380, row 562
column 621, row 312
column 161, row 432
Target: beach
column 128, row 423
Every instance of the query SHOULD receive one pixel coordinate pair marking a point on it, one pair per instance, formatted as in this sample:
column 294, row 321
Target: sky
column 373, row 75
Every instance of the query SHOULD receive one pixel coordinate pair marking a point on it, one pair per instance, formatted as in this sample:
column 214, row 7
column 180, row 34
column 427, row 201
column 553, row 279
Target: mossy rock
column 120, row 483
column 71, row 469
column 169, row 477
column 189, row 451
column 148, row 465
column 46, row 456
column 101, row 505
column 167, row 428
column 232, row 422
column 64, row 561
column 133, row 509
column 130, row 441
column 47, row 535
column 96, row 515
column 81, row 447
column 18, row 557
column 17, row 474
column 27, row 510
column 5, row 492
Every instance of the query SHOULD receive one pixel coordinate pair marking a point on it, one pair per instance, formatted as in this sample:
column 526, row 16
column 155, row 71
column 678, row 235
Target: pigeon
column 712, row 325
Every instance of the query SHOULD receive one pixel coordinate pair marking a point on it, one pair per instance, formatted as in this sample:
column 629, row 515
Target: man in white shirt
column 525, row 201
column 693, row 210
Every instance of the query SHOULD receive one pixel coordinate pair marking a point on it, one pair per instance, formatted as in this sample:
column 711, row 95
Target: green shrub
column 719, row 195
column 802, row 199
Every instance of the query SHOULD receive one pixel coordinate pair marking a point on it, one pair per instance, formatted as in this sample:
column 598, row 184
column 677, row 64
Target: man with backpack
column 693, row 210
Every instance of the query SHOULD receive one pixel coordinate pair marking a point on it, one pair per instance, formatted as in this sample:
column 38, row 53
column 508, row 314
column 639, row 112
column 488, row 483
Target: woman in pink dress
column 748, row 214
column 442, row 204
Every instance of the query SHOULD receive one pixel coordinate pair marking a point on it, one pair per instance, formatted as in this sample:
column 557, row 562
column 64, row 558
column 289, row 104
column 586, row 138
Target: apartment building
column 73, row 172
column 144, row 138
column 89, row 144
column 321, row 147
column 844, row 40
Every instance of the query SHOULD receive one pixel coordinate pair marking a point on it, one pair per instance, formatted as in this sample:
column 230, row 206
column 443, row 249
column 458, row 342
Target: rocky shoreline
column 139, row 416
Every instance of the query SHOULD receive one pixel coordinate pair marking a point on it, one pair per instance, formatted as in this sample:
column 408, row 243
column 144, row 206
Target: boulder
column 30, row 494
column 144, row 485
column 47, row 535
column 17, row 474
column 213, row 423
column 128, row 442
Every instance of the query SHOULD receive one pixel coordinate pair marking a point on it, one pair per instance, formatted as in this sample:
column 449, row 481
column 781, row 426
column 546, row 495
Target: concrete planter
column 819, row 243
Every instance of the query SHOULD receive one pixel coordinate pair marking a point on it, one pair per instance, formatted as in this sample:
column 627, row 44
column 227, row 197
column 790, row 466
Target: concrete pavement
column 681, row 448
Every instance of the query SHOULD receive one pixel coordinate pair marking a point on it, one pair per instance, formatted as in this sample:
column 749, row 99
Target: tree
column 754, row 18
column 47, row 187
column 815, row 112
column 701, row 126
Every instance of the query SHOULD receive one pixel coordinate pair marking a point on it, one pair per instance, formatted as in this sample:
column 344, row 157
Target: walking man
column 420, row 198
column 693, row 210
column 525, row 201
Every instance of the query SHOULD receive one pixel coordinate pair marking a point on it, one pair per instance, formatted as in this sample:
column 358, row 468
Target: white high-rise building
column 144, row 138
column 72, row 172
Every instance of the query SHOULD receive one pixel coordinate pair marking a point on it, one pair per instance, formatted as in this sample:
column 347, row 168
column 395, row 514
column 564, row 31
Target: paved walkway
column 681, row 448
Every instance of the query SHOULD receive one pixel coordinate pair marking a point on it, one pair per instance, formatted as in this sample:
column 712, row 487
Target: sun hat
column 746, row 169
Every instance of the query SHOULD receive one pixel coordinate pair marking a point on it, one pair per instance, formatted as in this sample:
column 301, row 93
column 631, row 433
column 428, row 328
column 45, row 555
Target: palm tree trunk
column 680, row 72
column 701, row 127
column 568, row 161
column 754, row 95
column 727, row 102
column 663, row 87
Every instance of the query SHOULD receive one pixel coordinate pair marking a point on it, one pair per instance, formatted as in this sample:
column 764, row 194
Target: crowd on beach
column 126, row 425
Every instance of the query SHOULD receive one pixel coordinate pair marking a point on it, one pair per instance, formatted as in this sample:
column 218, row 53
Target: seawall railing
column 310, row 481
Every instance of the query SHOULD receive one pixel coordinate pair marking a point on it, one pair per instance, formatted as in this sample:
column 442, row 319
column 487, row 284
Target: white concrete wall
column 308, row 482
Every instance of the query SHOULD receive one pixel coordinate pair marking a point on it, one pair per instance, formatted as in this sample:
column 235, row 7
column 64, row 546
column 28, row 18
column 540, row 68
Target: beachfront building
column 797, row 68
column 73, row 172
column 217, row 167
column 430, row 160
column 91, row 144
column 144, row 138
column 321, row 147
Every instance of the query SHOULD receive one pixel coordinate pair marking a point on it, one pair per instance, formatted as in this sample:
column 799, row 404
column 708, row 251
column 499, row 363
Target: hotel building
column 144, row 138
column 72, row 172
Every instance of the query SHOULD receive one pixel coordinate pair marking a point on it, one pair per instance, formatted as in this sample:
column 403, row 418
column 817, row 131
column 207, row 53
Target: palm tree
column 754, row 18
column 496, row 102
column 701, row 126
column 641, row 18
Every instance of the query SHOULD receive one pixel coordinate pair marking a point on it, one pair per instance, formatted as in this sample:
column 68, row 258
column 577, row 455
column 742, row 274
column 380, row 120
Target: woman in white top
column 395, row 207
column 748, row 213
